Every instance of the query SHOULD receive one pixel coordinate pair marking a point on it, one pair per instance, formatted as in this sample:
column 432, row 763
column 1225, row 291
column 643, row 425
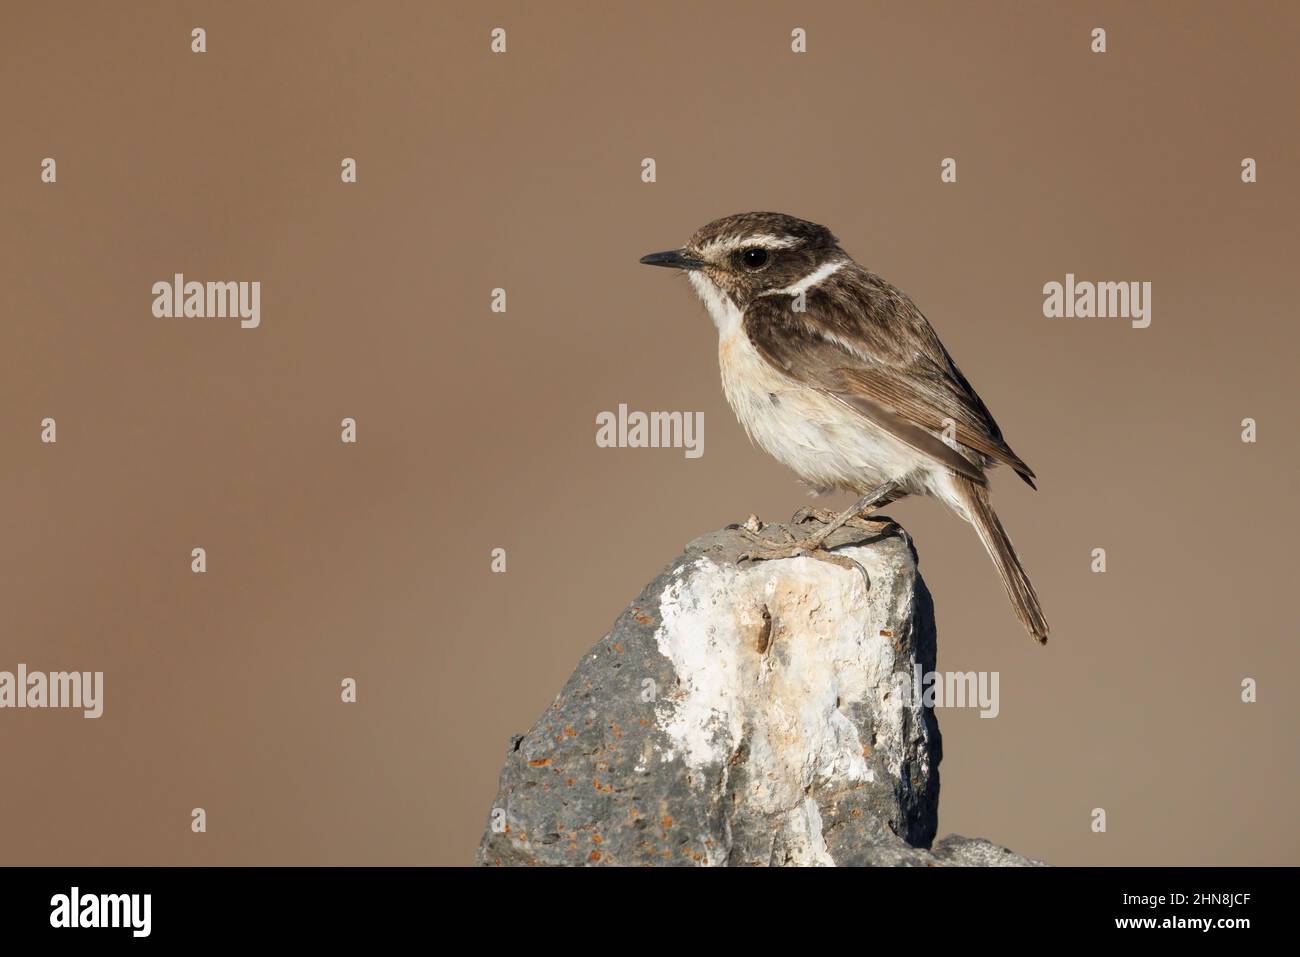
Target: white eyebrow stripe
column 766, row 240
column 823, row 271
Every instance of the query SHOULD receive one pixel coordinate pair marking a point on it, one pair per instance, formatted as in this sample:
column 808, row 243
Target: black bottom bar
column 237, row 905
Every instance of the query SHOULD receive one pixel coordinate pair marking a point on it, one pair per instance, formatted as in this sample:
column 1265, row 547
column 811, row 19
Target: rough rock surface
column 743, row 714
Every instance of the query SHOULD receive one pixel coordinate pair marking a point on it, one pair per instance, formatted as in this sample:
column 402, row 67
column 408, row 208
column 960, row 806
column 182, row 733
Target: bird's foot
column 883, row 524
column 811, row 513
column 766, row 550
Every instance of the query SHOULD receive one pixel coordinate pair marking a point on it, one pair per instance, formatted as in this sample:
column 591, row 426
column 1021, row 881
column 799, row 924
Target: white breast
column 825, row 443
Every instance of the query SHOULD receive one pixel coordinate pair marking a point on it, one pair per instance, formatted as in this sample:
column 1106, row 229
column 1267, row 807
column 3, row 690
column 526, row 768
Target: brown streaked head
column 749, row 254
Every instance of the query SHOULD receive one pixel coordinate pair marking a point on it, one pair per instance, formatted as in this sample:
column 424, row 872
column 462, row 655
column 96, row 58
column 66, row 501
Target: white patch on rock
column 805, row 823
column 789, row 702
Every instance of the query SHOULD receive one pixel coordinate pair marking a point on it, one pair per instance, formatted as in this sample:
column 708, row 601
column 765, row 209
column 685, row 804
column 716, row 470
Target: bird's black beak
column 673, row 259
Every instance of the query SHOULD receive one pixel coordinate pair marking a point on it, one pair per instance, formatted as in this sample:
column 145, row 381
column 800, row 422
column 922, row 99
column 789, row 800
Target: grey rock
column 743, row 714
column 957, row 851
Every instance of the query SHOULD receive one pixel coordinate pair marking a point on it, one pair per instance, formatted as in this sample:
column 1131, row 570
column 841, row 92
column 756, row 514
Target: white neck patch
column 824, row 271
column 722, row 310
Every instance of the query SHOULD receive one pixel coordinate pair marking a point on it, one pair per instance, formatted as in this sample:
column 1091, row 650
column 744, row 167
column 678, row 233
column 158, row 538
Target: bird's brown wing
column 891, row 370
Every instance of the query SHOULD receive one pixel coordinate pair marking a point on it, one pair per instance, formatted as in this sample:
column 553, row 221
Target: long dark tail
column 1019, row 589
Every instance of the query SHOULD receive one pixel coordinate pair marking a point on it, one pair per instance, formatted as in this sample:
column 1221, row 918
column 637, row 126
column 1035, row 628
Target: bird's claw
column 804, row 549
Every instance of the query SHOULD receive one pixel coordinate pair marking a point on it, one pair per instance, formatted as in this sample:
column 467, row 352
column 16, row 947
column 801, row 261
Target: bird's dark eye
column 755, row 258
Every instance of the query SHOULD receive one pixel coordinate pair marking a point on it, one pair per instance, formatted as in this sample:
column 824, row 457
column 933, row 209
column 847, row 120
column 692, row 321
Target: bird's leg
column 855, row 514
column 811, row 513
column 822, row 515
column 813, row 546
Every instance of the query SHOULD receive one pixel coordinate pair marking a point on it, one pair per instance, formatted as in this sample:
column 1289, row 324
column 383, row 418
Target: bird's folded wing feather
column 915, row 394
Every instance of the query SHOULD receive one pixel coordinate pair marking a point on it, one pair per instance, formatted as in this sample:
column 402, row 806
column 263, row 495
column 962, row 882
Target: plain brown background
column 477, row 430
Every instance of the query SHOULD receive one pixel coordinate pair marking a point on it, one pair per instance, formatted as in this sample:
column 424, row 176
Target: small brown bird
column 837, row 374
